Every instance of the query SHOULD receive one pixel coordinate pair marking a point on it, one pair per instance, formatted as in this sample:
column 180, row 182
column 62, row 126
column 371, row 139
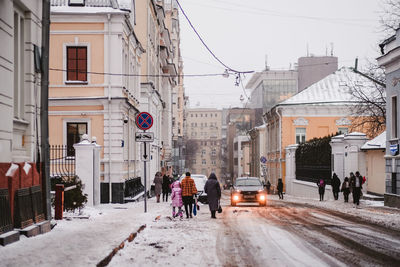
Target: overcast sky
column 241, row 33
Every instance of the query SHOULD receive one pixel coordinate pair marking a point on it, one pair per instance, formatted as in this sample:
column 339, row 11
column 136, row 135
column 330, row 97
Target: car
column 200, row 181
column 248, row 189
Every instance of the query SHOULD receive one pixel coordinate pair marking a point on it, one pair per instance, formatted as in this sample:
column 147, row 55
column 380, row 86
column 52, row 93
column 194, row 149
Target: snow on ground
column 368, row 210
column 85, row 242
column 173, row 241
column 82, row 242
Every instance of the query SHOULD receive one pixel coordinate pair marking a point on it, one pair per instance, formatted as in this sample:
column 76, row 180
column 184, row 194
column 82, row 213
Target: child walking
column 176, row 196
column 346, row 189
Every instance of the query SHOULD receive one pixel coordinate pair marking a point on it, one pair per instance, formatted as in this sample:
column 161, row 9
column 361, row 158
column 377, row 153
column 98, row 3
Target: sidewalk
column 368, row 210
column 82, row 242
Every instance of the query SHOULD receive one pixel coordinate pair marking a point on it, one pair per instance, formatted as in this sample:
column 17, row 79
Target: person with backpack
column 321, row 189
column 176, row 197
column 346, row 189
column 188, row 191
column 213, row 191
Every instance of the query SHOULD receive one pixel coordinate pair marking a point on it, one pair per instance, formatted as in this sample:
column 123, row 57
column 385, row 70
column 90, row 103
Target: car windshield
column 248, row 182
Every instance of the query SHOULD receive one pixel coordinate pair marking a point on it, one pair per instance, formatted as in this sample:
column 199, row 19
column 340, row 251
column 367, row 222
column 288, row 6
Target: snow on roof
column 91, row 6
column 333, row 89
column 378, row 142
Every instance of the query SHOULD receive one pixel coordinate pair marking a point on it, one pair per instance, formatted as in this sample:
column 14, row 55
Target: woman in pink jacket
column 176, row 196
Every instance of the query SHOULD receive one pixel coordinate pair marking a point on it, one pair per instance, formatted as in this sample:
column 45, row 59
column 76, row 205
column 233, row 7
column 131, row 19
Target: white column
column 87, row 164
column 290, row 167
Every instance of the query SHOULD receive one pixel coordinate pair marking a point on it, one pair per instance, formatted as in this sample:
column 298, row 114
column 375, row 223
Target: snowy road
column 281, row 234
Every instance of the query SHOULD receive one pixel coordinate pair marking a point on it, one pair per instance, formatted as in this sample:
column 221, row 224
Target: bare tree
column 370, row 112
column 390, row 17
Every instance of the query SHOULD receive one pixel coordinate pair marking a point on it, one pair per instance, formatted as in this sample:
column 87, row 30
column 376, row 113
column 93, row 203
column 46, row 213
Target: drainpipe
column 109, row 105
column 280, row 143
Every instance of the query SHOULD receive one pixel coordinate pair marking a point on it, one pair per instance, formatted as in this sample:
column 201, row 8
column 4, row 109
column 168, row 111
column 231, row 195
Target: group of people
column 350, row 185
column 183, row 193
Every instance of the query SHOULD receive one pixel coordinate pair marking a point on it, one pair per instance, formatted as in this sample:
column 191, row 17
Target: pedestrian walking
column 346, row 189
column 165, row 187
column 188, row 191
column 213, row 191
column 268, row 185
column 280, row 188
column 321, row 189
column 356, row 186
column 158, row 185
column 176, row 197
column 335, row 186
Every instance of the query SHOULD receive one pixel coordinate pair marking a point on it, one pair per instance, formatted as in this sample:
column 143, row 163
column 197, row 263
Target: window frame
column 394, row 117
column 300, row 135
column 88, row 61
column 76, row 120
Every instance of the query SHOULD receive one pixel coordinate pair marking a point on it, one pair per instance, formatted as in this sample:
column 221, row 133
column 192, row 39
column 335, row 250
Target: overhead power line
column 205, row 45
column 143, row 75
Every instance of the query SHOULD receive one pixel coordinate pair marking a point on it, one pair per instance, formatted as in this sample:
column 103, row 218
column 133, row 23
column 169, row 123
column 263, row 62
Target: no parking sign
column 144, row 121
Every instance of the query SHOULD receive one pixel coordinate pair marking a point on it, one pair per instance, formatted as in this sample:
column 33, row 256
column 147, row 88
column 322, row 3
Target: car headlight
column 235, row 197
column 237, row 191
column 259, row 191
column 262, row 197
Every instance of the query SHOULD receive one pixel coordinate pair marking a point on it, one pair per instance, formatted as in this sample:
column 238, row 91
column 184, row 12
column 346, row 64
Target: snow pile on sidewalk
column 79, row 241
column 370, row 211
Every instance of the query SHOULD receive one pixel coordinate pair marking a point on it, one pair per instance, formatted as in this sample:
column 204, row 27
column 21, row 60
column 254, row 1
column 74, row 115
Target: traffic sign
column 145, row 153
column 144, row 121
column 144, row 137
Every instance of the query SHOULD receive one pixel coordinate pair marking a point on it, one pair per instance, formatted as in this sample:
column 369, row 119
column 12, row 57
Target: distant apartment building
column 271, row 87
column 311, row 69
column 241, row 156
column 239, row 121
column 203, row 143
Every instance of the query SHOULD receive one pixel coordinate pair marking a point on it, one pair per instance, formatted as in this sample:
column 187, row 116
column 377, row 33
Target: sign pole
column 145, row 180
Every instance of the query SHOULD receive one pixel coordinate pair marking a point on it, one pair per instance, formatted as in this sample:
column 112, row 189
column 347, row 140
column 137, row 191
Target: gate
column 62, row 165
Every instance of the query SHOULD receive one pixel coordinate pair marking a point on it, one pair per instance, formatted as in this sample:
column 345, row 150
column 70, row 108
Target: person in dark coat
column 321, row 189
column 268, row 185
column 356, row 186
column 335, row 186
column 280, row 188
column 346, row 189
column 213, row 191
column 165, row 187
column 158, row 185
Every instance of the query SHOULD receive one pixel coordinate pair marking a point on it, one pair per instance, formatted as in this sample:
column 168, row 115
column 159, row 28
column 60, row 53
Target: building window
column 75, row 130
column 203, row 161
column 205, row 124
column 214, row 152
column 213, row 162
column 343, row 130
column 193, row 161
column 19, row 71
column 215, row 114
column 203, row 152
column 205, row 115
column 191, row 115
column 394, row 117
column 211, row 115
column 76, row 2
column 201, row 115
column 77, row 63
column 300, row 135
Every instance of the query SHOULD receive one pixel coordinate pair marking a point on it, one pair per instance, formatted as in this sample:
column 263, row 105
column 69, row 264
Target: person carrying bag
column 213, row 191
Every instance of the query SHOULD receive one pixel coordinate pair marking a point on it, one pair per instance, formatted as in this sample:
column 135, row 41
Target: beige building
column 203, row 144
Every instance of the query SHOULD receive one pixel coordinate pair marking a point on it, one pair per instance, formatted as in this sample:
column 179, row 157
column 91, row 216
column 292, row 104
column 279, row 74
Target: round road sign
column 144, row 121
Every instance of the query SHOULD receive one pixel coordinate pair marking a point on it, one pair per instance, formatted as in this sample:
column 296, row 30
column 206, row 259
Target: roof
column 333, row 89
column 92, row 6
column 378, row 142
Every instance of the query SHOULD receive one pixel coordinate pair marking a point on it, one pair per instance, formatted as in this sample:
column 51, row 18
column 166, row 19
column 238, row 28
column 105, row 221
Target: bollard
column 59, row 202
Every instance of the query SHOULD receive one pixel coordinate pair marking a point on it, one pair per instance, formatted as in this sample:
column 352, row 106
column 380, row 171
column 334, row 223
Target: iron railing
column 5, row 212
column 23, row 214
column 61, row 164
column 133, row 187
column 312, row 173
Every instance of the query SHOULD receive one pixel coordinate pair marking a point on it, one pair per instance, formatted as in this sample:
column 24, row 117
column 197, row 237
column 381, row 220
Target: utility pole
column 44, row 107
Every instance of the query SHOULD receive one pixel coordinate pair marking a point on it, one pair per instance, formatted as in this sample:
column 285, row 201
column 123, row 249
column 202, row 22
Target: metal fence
column 312, row 173
column 61, row 164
